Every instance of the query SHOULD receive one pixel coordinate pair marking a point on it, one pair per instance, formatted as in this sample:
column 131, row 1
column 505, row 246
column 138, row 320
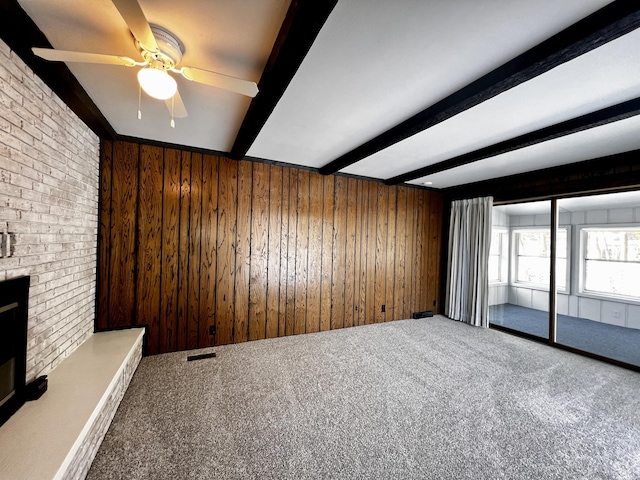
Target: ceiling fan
column 161, row 52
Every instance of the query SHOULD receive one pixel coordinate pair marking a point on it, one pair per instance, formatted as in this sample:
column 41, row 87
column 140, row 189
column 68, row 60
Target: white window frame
column 514, row 259
column 503, row 256
column 581, row 263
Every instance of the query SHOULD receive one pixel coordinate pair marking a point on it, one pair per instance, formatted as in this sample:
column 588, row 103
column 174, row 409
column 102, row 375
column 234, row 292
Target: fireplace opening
column 14, row 299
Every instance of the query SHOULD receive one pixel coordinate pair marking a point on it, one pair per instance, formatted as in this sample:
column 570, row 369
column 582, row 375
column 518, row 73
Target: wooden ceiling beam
column 612, row 172
column 301, row 26
column 20, row 33
column 598, row 118
column 610, row 22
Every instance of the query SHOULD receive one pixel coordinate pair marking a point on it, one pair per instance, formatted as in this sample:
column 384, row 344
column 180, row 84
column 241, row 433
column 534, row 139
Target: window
column 499, row 256
column 611, row 259
column 532, row 254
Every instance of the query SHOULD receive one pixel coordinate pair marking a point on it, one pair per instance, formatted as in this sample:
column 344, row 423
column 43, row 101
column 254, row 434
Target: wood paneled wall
column 191, row 242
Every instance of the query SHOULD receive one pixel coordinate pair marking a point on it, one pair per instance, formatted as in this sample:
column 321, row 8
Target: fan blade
column 179, row 110
column 136, row 21
column 243, row 87
column 67, row 56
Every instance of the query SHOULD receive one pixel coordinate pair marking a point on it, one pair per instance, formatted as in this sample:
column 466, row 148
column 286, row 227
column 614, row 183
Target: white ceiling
column 601, row 78
column 230, row 37
column 374, row 64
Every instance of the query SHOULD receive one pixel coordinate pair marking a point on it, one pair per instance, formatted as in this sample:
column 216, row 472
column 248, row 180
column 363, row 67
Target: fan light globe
column 157, row 83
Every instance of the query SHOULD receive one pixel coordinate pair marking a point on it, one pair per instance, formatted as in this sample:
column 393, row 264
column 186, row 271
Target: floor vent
column 202, row 356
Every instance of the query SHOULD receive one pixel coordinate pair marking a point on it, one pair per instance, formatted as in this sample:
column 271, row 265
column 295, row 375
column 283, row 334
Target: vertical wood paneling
column 420, row 292
column 195, row 231
column 226, row 261
column 208, row 247
column 427, row 262
column 259, row 248
column 243, row 252
column 302, row 251
column 256, row 250
column 106, row 166
column 274, row 254
column 370, row 253
column 327, row 252
column 183, row 254
column 361, row 222
column 432, row 267
column 314, row 273
column 170, row 250
column 390, row 266
column 284, row 253
column 380, row 287
column 401, row 251
column 291, row 252
column 339, row 252
column 149, row 264
column 124, row 198
column 409, row 278
column 435, row 250
column 352, row 256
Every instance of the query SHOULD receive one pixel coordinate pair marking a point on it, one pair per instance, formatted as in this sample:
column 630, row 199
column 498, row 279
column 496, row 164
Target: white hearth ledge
column 57, row 436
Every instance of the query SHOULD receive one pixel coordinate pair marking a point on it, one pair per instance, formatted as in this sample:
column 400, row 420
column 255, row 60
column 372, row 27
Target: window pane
column 561, row 273
column 534, row 244
column 495, row 243
column 561, row 243
column 538, row 244
column 605, row 245
column 633, row 246
column 613, row 245
column 494, row 268
column 525, row 264
column 617, row 278
column 533, row 270
column 606, row 269
column 536, row 270
column 498, row 255
column 534, row 250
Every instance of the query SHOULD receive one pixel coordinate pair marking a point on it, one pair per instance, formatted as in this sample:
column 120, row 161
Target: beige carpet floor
column 428, row 399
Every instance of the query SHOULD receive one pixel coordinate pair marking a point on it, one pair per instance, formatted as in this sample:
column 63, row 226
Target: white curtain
column 467, row 297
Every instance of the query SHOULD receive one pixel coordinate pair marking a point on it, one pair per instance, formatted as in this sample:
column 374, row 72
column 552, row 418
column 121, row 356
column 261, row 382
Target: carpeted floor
column 423, row 399
column 611, row 341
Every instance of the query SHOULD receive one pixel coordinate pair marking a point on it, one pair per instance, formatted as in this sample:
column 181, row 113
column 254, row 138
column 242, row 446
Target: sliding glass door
column 596, row 274
column 600, row 313
column 521, row 246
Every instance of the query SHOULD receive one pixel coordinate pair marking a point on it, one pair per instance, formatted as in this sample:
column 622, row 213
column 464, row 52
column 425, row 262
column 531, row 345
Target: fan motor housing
column 171, row 49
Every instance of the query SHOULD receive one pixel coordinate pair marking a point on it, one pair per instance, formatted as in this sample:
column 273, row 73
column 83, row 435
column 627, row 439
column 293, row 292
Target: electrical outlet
column 384, row 308
column 212, row 329
column 616, row 314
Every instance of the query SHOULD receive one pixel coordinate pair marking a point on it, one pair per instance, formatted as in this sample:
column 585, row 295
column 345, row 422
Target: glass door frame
column 553, row 298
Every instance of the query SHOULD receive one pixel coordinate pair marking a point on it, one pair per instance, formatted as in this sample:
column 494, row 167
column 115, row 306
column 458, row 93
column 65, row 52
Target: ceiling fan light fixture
column 157, row 83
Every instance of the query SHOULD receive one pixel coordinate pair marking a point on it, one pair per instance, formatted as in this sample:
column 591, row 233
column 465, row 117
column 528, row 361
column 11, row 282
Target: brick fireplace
column 14, row 297
column 49, row 163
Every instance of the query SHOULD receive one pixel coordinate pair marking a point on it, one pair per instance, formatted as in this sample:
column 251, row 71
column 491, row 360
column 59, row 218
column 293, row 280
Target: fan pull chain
column 173, row 105
column 139, row 102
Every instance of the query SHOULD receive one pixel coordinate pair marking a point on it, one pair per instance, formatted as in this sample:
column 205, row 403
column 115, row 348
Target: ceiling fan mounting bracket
column 171, row 49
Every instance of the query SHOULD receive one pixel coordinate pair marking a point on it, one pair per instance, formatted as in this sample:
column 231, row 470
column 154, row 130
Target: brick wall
column 49, row 199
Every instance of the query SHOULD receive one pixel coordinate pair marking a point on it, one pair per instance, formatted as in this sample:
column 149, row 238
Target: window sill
column 609, row 298
column 536, row 286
